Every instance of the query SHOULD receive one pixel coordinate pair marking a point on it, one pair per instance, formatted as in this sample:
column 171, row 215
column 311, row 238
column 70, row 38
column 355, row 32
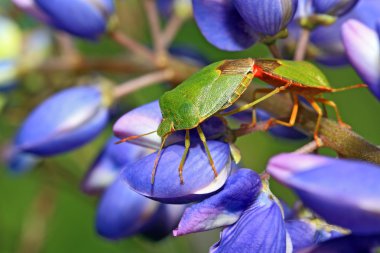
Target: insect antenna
column 351, row 87
column 134, row 137
column 158, row 156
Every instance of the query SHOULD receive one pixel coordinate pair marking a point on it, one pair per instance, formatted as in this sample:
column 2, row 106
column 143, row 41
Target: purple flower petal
column 109, row 163
column 30, row 7
column 222, row 25
column 164, row 221
column 267, row 17
column 334, row 7
column 198, row 176
column 122, row 212
column 141, row 120
column 301, row 233
column 63, row 122
column 225, row 207
column 82, row 18
column 347, row 244
column 333, row 188
column 363, row 49
column 261, row 228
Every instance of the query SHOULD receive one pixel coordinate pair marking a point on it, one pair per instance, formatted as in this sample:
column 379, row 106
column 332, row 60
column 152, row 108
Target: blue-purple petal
column 347, row 244
column 261, row 228
column 123, row 212
column 222, row 25
column 81, row 18
column 109, row 163
column 267, row 17
column 301, row 233
column 333, row 188
column 334, row 7
column 225, row 207
column 199, row 181
column 63, row 122
column 363, row 50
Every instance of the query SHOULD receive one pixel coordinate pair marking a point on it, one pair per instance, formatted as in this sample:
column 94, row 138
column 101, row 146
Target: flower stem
column 302, row 45
column 171, row 29
column 308, row 148
column 132, row 45
column 142, row 81
column 274, row 50
column 154, row 24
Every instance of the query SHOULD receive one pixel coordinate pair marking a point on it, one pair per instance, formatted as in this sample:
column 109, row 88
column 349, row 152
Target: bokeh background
column 45, row 209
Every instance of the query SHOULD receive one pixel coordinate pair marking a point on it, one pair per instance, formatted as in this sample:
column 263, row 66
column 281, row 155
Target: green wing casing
column 206, row 92
column 301, row 72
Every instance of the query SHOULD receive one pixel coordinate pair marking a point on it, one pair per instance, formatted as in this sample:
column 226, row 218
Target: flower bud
column 334, row 7
column 363, row 50
column 333, row 188
column 64, row 121
column 267, row 17
column 86, row 19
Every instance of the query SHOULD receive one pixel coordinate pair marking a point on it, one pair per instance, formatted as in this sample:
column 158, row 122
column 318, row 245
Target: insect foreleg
column 203, row 139
column 134, row 137
column 158, row 158
column 184, row 155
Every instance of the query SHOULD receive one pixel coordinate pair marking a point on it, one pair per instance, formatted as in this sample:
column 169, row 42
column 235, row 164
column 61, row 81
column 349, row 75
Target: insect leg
column 317, row 124
column 254, row 117
column 184, row 155
column 293, row 115
column 158, row 158
column 333, row 105
column 252, row 104
column 203, row 139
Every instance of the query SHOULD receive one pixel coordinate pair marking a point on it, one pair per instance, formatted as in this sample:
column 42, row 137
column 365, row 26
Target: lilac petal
column 198, row 176
column 347, row 244
column 141, row 120
column 164, row 221
column 81, row 18
column 267, row 17
column 225, row 207
column 334, row 7
column 222, row 25
column 333, row 188
column 363, row 49
column 30, row 7
column 301, row 233
column 109, row 163
column 122, row 212
column 53, row 128
column 260, row 229
column 19, row 162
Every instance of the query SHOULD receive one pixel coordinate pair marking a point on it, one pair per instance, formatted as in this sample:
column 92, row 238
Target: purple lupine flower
column 326, row 44
column 235, row 25
column 18, row 162
column 347, row 244
column 267, row 17
column 333, row 188
column 333, row 7
column 123, row 213
column 225, row 207
column 109, row 163
column 85, row 19
column 199, row 181
column 363, row 50
column 305, row 233
column 63, row 122
column 261, row 228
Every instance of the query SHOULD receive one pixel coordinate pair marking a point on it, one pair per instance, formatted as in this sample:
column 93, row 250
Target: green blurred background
column 45, row 209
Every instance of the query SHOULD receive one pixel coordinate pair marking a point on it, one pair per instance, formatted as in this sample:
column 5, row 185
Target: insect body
column 217, row 86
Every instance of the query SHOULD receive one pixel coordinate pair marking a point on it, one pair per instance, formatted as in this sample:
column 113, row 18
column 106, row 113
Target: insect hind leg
column 184, row 155
column 203, row 139
column 293, row 115
column 318, row 109
column 334, row 106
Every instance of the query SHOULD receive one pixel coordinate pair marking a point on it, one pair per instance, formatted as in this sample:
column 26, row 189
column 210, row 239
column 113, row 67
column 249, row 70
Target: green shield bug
column 217, row 86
